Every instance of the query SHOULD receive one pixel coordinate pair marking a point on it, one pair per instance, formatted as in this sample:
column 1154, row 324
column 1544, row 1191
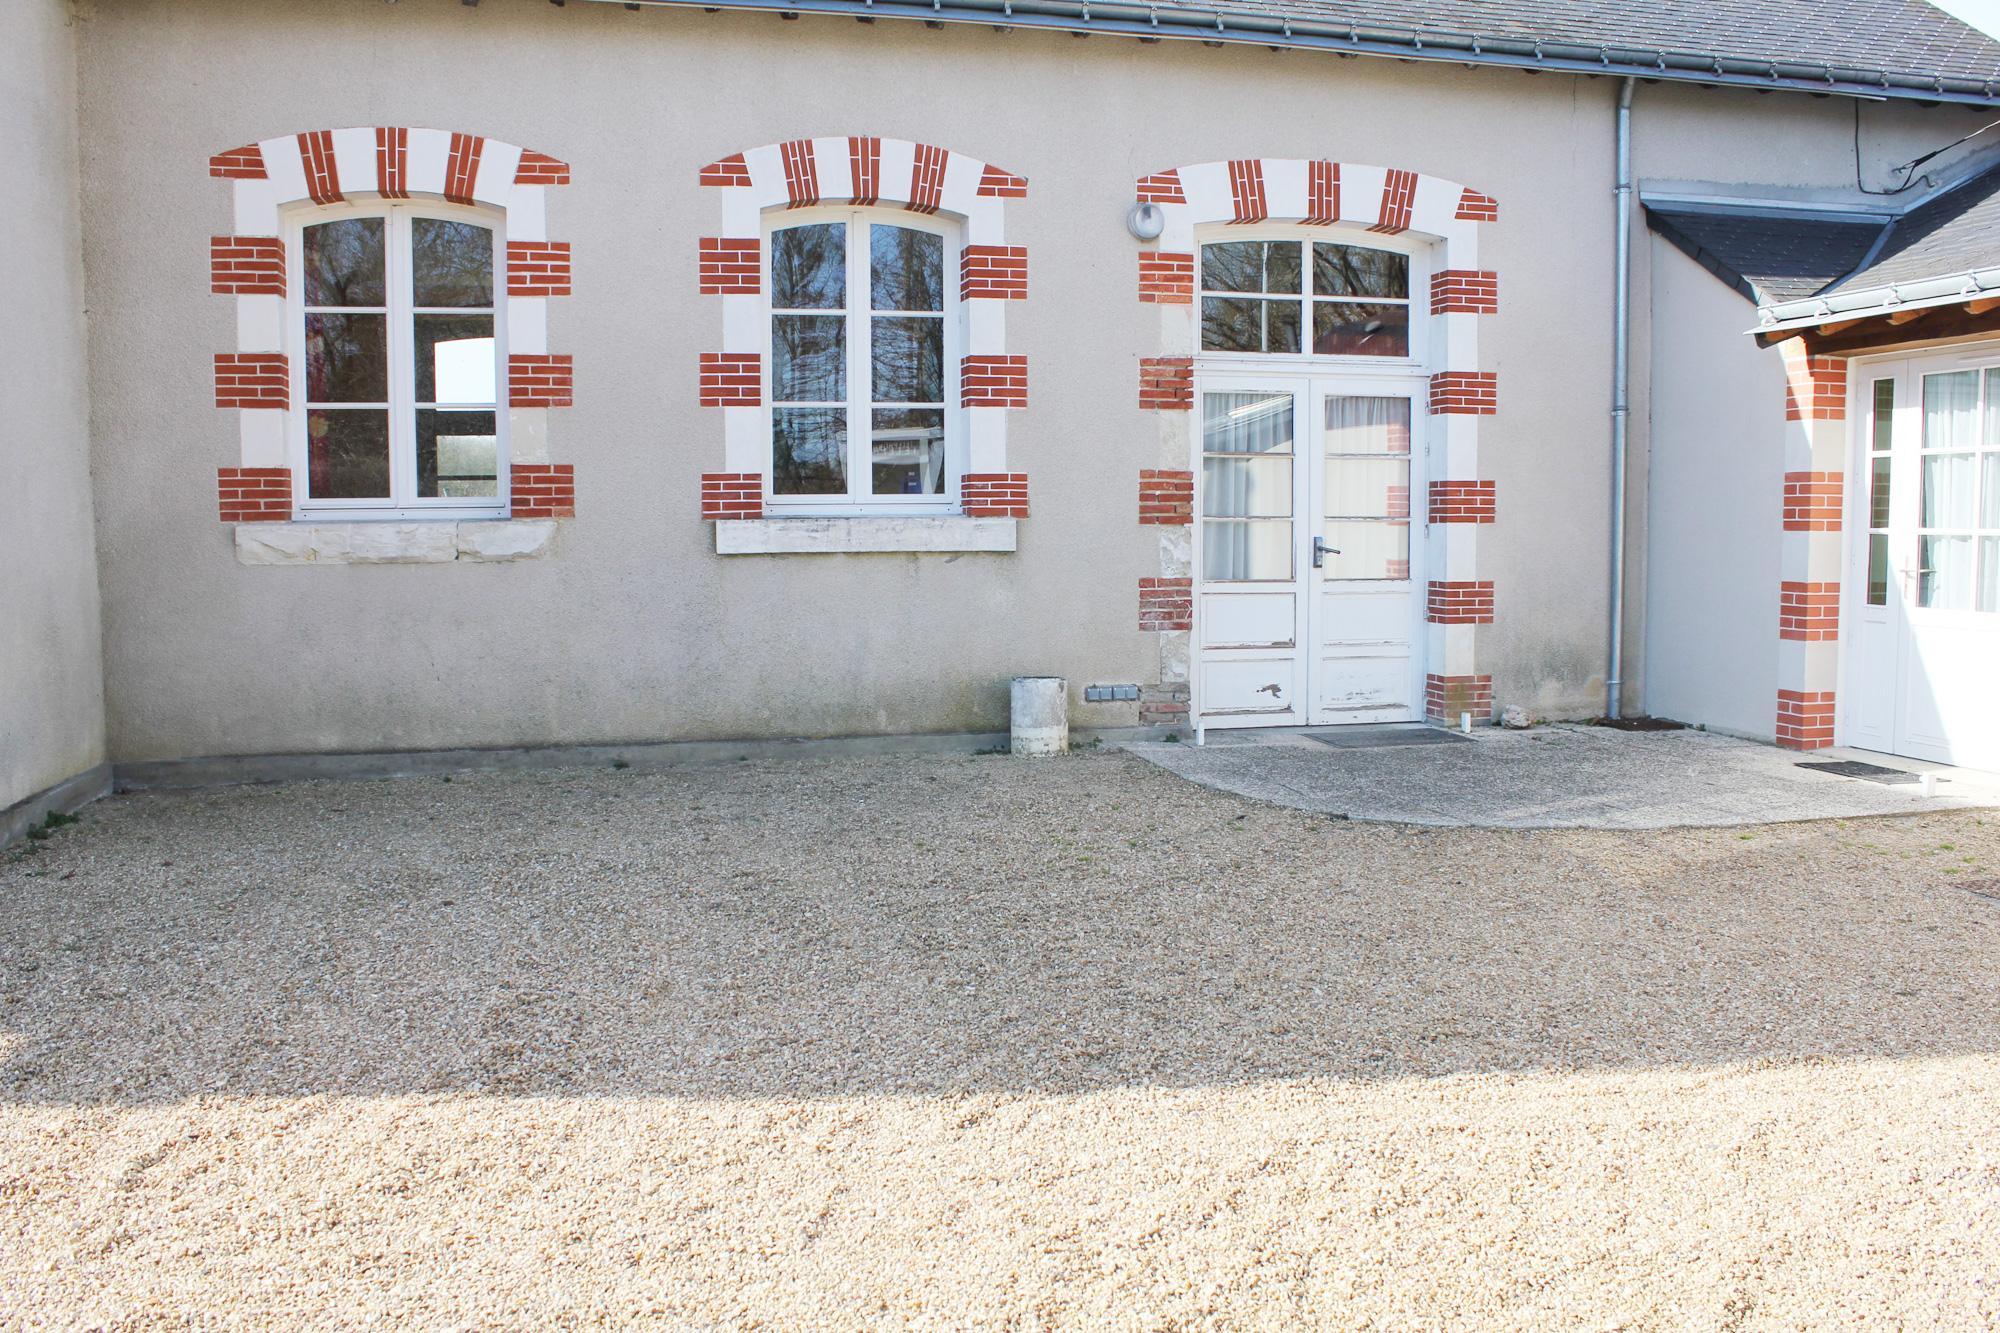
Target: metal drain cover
column 1369, row 738
column 1854, row 768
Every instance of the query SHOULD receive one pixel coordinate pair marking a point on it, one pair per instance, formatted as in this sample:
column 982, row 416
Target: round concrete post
column 1040, row 715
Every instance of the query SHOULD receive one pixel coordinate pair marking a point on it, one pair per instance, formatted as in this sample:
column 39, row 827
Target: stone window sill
column 373, row 543
column 938, row 533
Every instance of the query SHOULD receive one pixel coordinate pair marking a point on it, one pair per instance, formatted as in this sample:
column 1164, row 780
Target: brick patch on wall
column 1166, row 497
column 732, row 379
column 252, row 379
column 731, row 170
column 993, row 494
column 535, row 380
column 1465, row 291
column 1463, row 502
column 242, row 164
column 1163, row 705
column 543, row 490
column 1166, row 382
column 1805, row 719
column 732, row 495
column 999, row 183
column 1445, row 697
column 1809, row 612
column 1476, row 207
column 993, row 272
column 254, row 494
column 538, row 268
column 246, row 265
column 540, row 169
column 1815, row 387
column 1164, row 188
column 731, row 266
column 1812, row 501
column 1461, row 603
column 1465, row 393
column 1166, row 604
column 1166, row 277
column 993, row 381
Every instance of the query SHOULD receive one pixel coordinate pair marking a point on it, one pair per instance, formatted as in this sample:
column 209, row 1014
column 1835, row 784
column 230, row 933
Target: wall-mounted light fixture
column 1146, row 221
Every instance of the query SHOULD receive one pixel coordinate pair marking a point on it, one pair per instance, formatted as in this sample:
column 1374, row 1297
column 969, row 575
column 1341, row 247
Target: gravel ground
column 972, row 1042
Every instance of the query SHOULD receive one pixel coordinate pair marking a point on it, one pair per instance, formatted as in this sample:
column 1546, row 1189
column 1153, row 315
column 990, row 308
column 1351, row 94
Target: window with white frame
column 398, row 379
column 865, row 346
column 1290, row 296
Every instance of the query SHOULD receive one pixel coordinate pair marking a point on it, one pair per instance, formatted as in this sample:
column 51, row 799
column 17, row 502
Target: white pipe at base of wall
column 1039, row 715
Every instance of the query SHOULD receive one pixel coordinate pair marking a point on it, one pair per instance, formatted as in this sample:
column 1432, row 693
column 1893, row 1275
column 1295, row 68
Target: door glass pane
column 451, row 263
column 1351, row 270
column 1947, row 495
column 907, row 452
column 906, row 269
column 1878, row 492
column 1946, row 578
column 1351, row 328
column 1989, row 573
column 1367, row 549
column 1878, row 569
column 1367, row 487
column 456, row 454
column 1885, row 414
column 1989, row 501
column 1233, row 550
column 808, row 358
column 1246, row 423
column 1247, row 487
column 455, row 360
column 1951, row 410
column 343, row 263
column 347, row 454
column 908, row 355
column 1367, row 425
column 809, row 267
column 808, row 451
column 347, row 358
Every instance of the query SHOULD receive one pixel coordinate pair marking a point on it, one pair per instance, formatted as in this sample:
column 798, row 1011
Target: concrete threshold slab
column 1561, row 776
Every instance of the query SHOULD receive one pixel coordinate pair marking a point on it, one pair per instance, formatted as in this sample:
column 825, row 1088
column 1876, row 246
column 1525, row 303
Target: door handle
column 1321, row 551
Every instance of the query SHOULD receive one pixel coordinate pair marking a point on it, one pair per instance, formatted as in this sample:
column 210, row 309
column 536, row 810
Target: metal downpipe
column 1621, row 372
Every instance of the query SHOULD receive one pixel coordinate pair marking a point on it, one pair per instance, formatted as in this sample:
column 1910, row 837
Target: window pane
column 1947, row 495
column 1367, row 425
column 1246, row 423
column 1236, row 549
column 1364, row 550
column 1951, row 410
column 1989, row 500
column 809, row 267
column 1231, row 325
column 1885, row 409
column 347, row 455
column 455, row 359
column 808, row 358
column 343, row 263
column 451, row 263
column 1349, row 328
column 1367, row 488
column 1989, row 573
column 1878, row 569
column 347, row 359
column 909, row 360
column 906, row 269
column 907, row 452
column 457, row 454
column 1247, row 487
column 808, row 451
column 1250, row 266
column 1878, row 493
column 1350, row 270
column 1945, row 580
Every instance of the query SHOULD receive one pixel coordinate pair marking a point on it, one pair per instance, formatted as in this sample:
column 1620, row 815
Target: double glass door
column 1308, row 604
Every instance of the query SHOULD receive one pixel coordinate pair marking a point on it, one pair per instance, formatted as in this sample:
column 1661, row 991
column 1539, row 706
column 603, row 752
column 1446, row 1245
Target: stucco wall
column 634, row 628
column 1718, row 429
column 51, row 681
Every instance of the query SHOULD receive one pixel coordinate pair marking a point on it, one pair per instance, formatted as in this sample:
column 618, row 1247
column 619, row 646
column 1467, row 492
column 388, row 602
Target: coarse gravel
column 958, row 1042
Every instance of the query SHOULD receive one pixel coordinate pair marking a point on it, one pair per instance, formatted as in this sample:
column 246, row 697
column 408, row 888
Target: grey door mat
column 1854, row 768
column 1377, row 737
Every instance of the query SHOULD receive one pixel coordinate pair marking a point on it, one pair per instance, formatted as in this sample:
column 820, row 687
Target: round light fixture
column 1146, row 221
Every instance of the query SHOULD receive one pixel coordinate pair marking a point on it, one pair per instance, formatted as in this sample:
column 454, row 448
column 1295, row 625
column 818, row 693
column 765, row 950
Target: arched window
column 865, row 347
column 399, row 359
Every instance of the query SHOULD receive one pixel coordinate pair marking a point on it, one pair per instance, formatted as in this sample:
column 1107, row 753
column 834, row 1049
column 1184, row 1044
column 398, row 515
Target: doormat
column 1854, row 768
column 1372, row 738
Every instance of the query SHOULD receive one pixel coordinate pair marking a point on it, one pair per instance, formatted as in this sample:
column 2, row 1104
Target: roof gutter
column 1153, row 22
column 1916, row 295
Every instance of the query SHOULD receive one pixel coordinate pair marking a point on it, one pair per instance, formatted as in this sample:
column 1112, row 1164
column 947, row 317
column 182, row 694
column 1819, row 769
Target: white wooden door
column 1923, row 593
column 1309, row 546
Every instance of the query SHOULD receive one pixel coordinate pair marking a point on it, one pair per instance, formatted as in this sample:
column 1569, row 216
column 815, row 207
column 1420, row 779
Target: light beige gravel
column 954, row 1043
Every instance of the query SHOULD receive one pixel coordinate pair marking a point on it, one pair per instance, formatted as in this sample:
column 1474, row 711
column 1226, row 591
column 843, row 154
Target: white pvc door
column 1923, row 594
column 1307, row 602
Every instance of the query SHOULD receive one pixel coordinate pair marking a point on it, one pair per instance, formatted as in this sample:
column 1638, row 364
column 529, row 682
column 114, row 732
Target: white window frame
column 402, row 503
column 860, row 404
column 1417, row 250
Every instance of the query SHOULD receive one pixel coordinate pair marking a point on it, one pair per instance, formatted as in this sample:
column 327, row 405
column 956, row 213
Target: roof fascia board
column 1188, row 24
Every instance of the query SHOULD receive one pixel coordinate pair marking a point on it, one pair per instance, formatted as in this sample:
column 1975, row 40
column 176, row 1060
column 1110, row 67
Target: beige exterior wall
column 51, row 679
column 632, row 628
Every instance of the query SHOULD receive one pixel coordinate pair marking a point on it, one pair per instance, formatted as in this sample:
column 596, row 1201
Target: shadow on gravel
column 943, row 925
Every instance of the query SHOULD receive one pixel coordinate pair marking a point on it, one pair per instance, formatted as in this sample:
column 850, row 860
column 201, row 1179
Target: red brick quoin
column 1815, row 388
column 1166, row 382
column 1166, row 277
column 993, row 494
column 732, row 495
column 732, row 379
column 1462, row 502
column 252, row 379
column 1809, row 612
column 1445, row 697
column 1464, row 603
column 731, row 266
column 1166, row 604
column 993, row 272
column 538, row 268
column 535, row 380
column 1464, row 291
column 1465, row 393
column 543, row 490
column 254, row 494
column 1812, row 501
column 246, row 265
column 993, row 381
column 1166, row 497
column 1805, row 719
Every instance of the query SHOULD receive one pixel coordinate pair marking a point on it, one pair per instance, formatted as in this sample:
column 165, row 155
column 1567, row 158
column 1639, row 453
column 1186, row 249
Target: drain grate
column 1370, row 738
column 1854, row 768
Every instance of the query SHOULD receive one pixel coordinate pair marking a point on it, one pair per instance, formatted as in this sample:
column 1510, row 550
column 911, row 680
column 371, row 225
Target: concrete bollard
column 1040, row 715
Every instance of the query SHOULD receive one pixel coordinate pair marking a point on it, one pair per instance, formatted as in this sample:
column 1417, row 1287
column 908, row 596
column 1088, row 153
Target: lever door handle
column 1321, row 551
